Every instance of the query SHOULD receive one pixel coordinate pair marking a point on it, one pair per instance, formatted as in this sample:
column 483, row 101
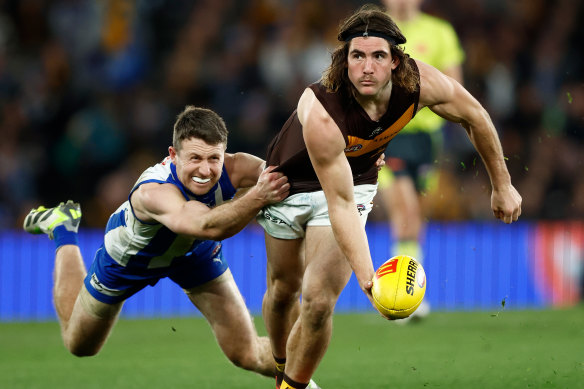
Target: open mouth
column 201, row 180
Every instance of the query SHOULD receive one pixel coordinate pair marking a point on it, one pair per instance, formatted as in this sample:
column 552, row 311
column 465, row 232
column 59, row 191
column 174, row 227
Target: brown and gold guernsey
column 365, row 139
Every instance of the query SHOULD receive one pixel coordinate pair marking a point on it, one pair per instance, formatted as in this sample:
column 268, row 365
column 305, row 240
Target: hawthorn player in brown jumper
column 328, row 150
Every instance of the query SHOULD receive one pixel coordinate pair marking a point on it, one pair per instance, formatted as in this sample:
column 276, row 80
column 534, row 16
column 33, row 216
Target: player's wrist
column 256, row 198
column 501, row 185
column 364, row 280
column 500, row 179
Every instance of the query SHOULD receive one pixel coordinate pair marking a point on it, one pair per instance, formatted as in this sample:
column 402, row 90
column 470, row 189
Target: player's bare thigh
column 327, row 269
column 285, row 262
column 90, row 324
column 223, row 306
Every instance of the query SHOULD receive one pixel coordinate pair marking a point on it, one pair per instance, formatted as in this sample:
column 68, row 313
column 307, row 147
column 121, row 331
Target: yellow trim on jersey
column 357, row 146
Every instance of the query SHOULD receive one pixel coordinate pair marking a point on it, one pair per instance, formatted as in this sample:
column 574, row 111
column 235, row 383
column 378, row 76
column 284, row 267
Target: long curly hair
column 369, row 18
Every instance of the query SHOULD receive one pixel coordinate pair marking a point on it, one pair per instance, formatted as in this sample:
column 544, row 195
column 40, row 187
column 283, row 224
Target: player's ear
column 172, row 153
column 394, row 62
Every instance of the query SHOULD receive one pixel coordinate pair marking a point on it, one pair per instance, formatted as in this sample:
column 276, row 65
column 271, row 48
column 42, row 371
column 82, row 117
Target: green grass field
column 515, row 349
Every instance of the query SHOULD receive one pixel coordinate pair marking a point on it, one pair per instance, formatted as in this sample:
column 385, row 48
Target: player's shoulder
column 319, row 126
column 312, row 106
column 240, row 159
column 157, row 172
column 434, row 85
column 150, row 197
column 243, row 169
column 426, row 70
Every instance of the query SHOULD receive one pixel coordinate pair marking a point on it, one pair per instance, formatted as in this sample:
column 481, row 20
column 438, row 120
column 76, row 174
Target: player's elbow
column 210, row 233
column 202, row 228
column 477, row 117
column 217, row 235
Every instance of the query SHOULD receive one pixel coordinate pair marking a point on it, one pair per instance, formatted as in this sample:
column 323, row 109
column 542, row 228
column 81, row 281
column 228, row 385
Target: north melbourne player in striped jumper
column 170, row 226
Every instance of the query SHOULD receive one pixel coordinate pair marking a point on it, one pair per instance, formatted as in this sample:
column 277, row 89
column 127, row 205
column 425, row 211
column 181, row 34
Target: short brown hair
column 369, row 18
column 199, row 123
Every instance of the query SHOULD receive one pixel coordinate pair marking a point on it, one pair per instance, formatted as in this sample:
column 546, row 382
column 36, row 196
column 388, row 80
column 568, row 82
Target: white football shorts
column 289, row 218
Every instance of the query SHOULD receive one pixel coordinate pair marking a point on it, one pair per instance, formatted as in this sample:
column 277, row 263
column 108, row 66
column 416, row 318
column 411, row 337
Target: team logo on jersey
column 353, row 148
column 376, row 131
column 361, row 208
column 216, row 250
column 358, row 146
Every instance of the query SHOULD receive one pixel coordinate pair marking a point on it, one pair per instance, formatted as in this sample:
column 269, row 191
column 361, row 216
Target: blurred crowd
column 89, row 91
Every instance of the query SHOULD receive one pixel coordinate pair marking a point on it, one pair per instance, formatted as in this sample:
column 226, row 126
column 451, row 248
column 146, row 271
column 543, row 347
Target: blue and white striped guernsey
column 136, row 244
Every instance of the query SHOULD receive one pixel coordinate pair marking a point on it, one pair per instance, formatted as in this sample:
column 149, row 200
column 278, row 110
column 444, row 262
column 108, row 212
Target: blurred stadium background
column 89, row 92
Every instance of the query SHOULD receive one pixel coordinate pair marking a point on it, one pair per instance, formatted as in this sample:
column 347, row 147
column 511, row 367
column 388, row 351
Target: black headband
column 365, row 34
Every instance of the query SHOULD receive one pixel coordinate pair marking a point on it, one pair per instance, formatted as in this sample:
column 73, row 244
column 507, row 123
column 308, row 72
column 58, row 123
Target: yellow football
column 399, row 286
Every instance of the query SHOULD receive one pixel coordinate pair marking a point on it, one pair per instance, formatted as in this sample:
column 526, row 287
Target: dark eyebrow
column 376, row 52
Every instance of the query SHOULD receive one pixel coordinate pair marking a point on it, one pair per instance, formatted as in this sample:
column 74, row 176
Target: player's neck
column 375, row 106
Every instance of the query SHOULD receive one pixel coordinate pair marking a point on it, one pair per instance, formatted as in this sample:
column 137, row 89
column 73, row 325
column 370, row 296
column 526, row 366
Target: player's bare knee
column 317, row 311
column 283, row 293
column 82, row 350
column 245, row 358
column 82, row 346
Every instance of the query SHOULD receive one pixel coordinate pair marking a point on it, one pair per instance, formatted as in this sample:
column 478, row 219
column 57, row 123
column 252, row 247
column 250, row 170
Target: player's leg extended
column 82, row 333
column 327, row 272
column 68, row 276
column 281, row 305
column 85, row 322
column 90, row 324
column 223, row 306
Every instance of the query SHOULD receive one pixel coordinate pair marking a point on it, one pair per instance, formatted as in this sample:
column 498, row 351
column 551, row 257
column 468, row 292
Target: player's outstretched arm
column 165, row 204
column 326, row 145
column 447, row 98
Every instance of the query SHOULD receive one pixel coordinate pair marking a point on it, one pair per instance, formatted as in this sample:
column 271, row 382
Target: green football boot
column 43, row 220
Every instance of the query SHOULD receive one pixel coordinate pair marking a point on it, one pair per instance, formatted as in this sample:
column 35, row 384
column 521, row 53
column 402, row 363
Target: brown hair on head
column 199, row 123
column 369, row 20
